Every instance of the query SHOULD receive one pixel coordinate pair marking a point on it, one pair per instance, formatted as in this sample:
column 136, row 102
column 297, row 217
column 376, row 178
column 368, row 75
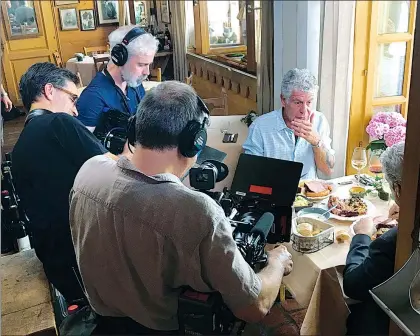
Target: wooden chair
column 155, row 75
column 189, row 79
column 80, row 79
column 57, row 59
column 89, row 51
column 218, row 106
column 100, row 63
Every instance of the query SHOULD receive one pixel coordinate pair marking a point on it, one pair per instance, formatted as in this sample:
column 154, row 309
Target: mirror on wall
column 21, row 19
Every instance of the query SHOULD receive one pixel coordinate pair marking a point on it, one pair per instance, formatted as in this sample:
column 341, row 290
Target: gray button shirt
column 139, row 238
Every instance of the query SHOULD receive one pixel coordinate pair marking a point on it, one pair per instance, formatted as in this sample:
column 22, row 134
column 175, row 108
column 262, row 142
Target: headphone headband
column 119, row 53
column 192, row 138
column 132, row 34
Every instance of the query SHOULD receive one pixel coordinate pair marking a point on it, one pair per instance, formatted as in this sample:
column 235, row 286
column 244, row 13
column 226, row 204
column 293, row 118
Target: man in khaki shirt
column 140, row 235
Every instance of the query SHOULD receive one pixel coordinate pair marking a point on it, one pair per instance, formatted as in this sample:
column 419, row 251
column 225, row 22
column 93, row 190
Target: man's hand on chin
column 303, row 129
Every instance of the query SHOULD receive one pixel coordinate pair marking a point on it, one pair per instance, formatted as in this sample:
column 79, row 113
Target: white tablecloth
column 316, row 280
column 86, row 68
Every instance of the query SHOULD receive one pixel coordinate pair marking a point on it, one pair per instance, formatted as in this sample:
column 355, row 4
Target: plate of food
column 316, row 190
column 301, row 202
column 350, row 209
column 382, row 225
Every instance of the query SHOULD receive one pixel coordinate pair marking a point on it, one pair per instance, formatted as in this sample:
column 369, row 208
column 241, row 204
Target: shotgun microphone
column 263, row 226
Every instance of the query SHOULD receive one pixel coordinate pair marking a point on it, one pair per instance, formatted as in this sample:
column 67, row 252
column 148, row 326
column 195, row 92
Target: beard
column 131, row 80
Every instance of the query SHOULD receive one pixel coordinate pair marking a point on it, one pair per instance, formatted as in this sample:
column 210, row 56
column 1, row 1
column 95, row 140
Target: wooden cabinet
column 21, row 51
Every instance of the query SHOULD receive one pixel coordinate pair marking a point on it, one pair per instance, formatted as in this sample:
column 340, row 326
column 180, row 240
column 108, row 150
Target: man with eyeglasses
column 46, row 158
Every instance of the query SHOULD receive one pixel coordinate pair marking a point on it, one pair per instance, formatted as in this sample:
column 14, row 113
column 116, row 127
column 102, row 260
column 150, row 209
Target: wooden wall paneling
column 72, row 42
column 210, row 77
column 20, row 54
column 234, row 87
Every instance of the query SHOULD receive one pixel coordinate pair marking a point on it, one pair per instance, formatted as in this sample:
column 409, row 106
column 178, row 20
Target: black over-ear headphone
column 192, row 138
column 119, row 53
column 35, row 113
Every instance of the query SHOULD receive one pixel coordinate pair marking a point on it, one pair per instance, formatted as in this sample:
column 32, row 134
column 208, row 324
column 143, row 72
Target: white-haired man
column 296, row 132
column 119, row 86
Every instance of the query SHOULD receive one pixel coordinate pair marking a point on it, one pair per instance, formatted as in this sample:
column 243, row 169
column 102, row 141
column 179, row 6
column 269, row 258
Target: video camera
column 259, row 207
column 112, row 130
column 206, row 313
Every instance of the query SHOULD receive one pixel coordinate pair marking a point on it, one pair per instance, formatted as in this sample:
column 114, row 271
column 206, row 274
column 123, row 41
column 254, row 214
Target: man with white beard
column 119, row 86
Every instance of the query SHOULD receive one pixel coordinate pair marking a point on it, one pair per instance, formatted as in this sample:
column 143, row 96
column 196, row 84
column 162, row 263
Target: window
column 226, row 31
column 383, row 47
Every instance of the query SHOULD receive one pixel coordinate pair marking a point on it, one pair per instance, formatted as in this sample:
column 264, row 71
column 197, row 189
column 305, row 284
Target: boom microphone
column 264, row 224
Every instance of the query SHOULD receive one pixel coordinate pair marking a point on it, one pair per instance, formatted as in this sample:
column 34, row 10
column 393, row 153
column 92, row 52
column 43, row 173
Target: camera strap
column 124, row 97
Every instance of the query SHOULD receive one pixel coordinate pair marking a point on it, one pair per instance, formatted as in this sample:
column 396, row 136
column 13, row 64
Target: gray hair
column 145, row 44
column 392, row 163
column 164, row 112
column 299, row 80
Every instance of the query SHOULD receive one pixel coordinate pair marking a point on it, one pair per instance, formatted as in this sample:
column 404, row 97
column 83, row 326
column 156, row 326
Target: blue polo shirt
column 101, row 95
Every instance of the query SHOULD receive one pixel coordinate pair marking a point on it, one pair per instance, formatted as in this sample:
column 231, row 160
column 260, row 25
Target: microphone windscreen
column 264, row 224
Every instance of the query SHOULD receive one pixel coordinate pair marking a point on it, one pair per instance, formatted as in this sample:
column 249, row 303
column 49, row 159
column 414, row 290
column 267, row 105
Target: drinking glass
column 359, row 159
column 375, row 165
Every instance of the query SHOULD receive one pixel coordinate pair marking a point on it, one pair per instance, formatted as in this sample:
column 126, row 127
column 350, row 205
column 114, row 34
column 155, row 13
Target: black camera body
column 205, row 313
column 112, row 130
column 207, row 174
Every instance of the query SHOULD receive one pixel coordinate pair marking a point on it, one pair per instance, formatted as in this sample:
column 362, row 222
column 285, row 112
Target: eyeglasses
column 73, row 97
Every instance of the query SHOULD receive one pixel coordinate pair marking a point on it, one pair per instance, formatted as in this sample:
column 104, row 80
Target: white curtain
column 265, row 65
column 335, row 80
column 178, row 34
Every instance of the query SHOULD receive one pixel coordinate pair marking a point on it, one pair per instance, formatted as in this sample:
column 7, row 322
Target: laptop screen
column 268, row 178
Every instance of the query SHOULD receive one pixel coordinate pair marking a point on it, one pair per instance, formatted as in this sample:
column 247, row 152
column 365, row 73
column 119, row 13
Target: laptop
column 272, row 179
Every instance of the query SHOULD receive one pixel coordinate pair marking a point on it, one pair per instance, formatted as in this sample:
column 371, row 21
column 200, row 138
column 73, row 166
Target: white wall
column 297, row 27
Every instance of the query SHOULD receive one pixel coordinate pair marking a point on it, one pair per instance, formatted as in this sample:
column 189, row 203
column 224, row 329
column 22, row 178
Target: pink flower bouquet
column 386, row 129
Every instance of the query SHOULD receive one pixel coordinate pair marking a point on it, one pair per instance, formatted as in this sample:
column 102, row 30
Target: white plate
column 371, row 210
column 315, row 199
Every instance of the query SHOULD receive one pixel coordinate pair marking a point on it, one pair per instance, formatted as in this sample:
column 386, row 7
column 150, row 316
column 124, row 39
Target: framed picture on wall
column 165, row 11
column 107, row 12
column 21, row 19
column 68, row 19
column 139, row 13
column 87, row 19
column 65, row 2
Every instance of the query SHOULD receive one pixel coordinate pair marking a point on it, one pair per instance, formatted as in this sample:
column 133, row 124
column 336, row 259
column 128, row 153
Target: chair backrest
column 100, row 63
column 156, row 74
column 57, row 59
column 95, row 50
column 218, row 106
column 189, row 79
column 80, row 79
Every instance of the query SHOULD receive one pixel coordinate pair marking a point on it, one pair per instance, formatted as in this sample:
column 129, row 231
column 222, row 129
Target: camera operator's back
column 139, row 239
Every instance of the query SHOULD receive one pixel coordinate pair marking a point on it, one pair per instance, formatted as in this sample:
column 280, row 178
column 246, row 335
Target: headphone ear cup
column 131, row 131
column 192, row 139
column 119, row 54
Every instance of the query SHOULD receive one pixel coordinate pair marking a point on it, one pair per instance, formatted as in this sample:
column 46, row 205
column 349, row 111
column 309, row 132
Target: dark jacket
column 369, row 263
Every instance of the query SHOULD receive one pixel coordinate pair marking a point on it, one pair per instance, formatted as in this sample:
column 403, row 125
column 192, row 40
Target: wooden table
column 26, row 306
column 316, row 280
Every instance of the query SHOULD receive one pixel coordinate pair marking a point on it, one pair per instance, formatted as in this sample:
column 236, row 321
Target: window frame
column 365, row 63
column 202, row 40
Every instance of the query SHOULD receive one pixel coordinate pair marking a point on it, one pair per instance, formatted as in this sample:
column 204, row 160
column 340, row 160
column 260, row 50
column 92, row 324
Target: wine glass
column 359, row 159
